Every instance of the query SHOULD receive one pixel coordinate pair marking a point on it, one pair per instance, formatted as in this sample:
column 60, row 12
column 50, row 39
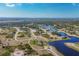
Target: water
column 64, row 49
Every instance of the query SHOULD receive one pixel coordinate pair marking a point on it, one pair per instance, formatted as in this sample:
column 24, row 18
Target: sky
column 39, row 10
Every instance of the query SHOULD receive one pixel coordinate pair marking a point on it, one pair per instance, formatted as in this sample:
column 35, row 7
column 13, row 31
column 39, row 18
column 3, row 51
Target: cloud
column 12, row 4
column 9, row 5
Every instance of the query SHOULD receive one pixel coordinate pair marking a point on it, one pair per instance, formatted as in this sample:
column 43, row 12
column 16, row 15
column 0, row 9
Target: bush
column 46, row 35
column 34, row 42
column 9, row 36
column 6, row 53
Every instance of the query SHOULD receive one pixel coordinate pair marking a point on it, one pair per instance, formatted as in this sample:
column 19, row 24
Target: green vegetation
column 38, row 32
column 28, row 33
column 23, row 47
column 46, row 54
column 9, row 48
column 46, row 35
column 34, row 42
column 77, row 44
column 65, row 38
column 21, row 34
column 54, row 33
column 51, row 40
column 9, row 36
column 26, row 48
column 7, row 51
column 35, row 26
column 12, row 30
column 3, row 33
column 25, row 32
column 38, row 43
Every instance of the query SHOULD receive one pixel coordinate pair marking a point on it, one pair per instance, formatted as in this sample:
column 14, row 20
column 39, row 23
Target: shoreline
column 72, row 46
column 54, row 51
column 69, row 34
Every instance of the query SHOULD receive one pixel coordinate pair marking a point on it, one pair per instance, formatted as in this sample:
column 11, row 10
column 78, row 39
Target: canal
column 64, row 49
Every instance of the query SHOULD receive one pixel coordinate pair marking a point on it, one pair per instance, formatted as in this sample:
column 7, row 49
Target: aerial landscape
column 40, row 29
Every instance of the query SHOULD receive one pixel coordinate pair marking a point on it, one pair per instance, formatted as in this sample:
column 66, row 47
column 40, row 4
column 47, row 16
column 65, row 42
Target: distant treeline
column 23, row 21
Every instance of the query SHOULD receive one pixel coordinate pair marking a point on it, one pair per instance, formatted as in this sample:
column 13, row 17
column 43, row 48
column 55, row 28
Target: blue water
column 64, row 49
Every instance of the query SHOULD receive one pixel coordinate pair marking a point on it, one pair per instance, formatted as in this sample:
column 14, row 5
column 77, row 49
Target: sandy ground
column 54, row 51
column 73, row 46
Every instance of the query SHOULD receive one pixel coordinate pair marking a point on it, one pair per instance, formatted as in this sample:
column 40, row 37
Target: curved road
column 16, row 34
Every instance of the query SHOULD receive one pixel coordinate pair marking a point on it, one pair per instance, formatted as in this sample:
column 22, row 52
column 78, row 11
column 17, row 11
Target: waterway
column 64, row 49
